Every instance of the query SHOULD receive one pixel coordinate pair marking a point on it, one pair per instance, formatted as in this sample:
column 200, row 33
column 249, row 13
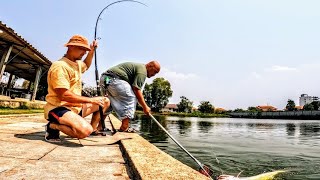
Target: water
column 250, row 146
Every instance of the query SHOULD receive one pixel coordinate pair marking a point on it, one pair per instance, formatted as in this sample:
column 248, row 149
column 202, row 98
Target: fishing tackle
column 95, row 58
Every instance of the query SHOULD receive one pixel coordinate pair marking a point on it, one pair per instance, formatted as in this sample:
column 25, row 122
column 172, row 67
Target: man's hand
column 98, row 100
column 88, row 59
column 147, row 110
column 94, row 45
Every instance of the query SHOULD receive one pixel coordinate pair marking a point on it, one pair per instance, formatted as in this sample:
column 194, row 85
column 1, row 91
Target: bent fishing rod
column 95, row 57
column 205, row 169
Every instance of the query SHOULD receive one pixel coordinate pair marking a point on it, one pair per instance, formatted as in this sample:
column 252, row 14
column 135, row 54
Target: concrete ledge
column 19, row 102
column 148, row 162
column 22, row 115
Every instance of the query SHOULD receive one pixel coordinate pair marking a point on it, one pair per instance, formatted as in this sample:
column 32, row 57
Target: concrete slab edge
column 146, row 161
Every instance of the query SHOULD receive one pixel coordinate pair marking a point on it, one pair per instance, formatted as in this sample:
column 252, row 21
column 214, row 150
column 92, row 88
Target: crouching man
column 66, row 108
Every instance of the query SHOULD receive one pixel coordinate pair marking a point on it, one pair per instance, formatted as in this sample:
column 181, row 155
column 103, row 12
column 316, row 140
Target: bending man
column 122, row 84
column 66, row 108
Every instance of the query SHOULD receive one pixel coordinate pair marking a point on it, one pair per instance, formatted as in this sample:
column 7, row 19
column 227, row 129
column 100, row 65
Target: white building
column 305, row 99
column 170, row 108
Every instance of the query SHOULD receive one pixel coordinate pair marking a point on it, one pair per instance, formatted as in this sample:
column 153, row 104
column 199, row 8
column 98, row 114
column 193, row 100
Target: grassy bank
column 8, row 111
column 194, row 114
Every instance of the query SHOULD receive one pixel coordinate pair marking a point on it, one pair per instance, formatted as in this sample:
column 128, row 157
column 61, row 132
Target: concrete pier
column 25, row 155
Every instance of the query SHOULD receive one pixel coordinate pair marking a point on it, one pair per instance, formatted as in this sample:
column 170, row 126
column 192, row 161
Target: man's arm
column 139, row 95
column 66, row 95
column 88, row 59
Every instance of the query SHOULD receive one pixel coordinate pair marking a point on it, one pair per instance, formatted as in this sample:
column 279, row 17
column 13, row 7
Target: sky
column 232, row 53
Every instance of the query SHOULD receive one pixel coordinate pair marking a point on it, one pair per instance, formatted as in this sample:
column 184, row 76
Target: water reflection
column 309, row 130
column 186, row 126
column 152, row 130
column 235, row 125
column 183, row 126
column 291, row 129
column 251, row 125
column 204, row 126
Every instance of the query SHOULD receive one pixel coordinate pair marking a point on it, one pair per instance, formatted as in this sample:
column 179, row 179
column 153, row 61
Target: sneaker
column 51, row 135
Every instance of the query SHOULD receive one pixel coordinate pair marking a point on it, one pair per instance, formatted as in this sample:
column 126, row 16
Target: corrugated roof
column 26, row 57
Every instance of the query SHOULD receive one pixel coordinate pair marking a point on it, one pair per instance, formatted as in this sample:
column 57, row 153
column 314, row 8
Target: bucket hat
column 78, row 40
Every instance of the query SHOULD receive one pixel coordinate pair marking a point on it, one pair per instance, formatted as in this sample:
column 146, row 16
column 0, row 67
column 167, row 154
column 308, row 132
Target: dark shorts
column 56, row 113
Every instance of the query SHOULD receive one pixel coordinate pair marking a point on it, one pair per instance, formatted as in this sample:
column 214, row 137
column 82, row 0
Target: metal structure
column 19, row 58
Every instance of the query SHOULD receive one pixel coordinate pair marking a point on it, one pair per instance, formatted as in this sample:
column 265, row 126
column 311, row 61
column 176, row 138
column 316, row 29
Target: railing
column 278, row 114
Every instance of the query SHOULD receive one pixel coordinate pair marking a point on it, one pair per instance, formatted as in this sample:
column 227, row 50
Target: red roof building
column 266, row 108
column 170, row 108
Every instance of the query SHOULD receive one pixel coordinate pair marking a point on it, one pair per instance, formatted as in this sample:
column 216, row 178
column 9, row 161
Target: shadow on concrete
column 39, row 136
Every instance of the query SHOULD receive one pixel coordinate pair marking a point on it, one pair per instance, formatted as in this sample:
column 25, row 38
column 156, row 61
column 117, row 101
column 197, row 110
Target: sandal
column 129, row 130
column 97, row 133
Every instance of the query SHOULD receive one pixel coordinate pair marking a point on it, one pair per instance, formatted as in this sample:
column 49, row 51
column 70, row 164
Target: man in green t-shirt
column 123, row 84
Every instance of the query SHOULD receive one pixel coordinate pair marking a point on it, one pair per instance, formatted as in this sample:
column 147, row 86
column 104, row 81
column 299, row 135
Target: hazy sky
column 233, row 53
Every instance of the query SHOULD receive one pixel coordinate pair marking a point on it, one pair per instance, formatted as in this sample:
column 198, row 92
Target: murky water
column 250, row 146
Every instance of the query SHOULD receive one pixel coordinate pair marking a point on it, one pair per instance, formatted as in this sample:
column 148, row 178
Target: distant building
column 170, row 108
column 219, row 110
column 299, row 107
column 266, row 108
column 194, row 109
column 305, row 99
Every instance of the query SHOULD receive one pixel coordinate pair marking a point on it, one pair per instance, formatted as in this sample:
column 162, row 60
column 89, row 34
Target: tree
column 42, row 91
column 25, row 84
column 308, row 107
column 291, row 106
column 316, row 105
column 185, row 105
column 89, row 91
column 157, row 94
column 239, row 110
column 253, row 109
column 205, row 107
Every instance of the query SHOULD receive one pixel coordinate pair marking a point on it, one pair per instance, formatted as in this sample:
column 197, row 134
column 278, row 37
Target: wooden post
column 4, row 59
column 36, row 83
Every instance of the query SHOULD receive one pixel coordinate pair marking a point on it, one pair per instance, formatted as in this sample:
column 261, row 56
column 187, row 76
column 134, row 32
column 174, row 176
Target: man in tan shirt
column 66, row 108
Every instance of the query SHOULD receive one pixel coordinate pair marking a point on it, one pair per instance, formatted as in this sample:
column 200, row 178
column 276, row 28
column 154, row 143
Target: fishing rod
column 203, row 168
column 95, row 58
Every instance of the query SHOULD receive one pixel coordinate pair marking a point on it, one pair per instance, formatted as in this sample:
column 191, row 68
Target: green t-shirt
column 134, row 73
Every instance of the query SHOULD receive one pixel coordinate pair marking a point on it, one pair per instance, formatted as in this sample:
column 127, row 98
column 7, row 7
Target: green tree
column 185, row 105
column 239, row 110
column 206, row 107
column 291, row 106
column 253, row 109
column 42, row 91
column 157, row 94
column 89, row 91
column 316, row 105
column 308, row 107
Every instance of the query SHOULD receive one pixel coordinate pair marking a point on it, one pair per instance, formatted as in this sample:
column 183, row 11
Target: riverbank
column 180, row 114
column 312, row 115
